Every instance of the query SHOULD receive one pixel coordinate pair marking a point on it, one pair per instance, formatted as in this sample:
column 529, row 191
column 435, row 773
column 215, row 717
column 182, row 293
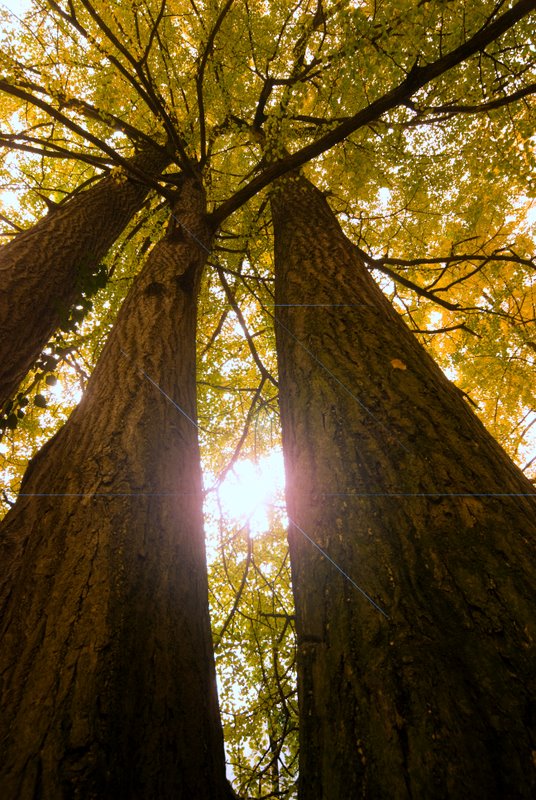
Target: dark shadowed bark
column 42, row 270
column 107, row 673
column 391, row 474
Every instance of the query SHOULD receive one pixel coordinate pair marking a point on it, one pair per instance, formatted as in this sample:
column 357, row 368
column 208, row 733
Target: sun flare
column 252, row 490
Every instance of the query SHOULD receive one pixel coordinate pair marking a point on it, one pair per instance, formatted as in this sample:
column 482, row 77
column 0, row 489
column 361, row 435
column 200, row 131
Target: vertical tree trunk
column 395, row 478
column 42, row 269
column 107, row 673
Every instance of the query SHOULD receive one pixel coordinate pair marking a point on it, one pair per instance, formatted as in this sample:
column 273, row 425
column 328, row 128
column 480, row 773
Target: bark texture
column 395, row 478
column 42, row 269
column 107, row 674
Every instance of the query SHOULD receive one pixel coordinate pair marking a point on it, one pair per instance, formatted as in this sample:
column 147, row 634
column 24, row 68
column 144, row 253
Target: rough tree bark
column 107, row 673
column 42, row 269
column 395, row 478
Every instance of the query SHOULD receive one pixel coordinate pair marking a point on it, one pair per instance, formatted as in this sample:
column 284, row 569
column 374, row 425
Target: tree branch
column 414, row 80
column 236, row 308
column 449, row 109
column 16, row 91
column 201, row 75
column 49, row 150
column 379, row 264
column 428, row 292
column 154, row 32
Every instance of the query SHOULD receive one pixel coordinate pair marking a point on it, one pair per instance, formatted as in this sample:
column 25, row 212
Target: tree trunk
column 391, row 474
column 108, row 683
column 42, row 270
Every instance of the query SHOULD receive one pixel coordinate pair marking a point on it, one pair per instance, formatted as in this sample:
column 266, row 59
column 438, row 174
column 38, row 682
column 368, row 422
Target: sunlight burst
column 251, row 490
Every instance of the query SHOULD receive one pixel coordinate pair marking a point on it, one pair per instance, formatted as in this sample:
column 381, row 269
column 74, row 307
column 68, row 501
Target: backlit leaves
column 436, row 193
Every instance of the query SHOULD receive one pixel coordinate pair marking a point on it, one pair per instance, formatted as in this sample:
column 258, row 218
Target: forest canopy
column 415, row 120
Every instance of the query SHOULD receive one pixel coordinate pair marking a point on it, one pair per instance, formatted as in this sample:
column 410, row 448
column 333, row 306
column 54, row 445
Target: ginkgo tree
column 159, row 134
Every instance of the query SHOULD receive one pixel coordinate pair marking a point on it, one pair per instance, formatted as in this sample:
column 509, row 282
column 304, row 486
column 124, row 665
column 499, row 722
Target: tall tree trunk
column 107, row 673
column 391, row 474
column 42, row 269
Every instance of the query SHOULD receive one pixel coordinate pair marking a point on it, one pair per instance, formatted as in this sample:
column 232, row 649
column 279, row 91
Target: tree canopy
column 415, row 119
